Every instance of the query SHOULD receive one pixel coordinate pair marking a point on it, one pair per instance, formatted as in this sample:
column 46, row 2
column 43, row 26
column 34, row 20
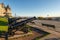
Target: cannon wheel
column 25, row 29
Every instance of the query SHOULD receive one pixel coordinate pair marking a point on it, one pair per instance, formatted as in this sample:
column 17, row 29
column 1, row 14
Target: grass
column 3, row 24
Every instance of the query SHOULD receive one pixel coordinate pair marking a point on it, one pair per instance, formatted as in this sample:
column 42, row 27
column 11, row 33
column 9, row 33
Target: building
column 5, row 10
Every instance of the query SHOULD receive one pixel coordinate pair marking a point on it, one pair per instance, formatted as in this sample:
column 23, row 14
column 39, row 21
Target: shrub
column 49, row 18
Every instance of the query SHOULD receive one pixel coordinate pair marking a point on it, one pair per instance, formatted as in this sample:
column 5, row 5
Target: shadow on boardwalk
column 39, row 31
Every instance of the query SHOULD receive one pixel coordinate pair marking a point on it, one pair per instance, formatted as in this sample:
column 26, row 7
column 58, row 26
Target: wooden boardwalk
column 45, row 29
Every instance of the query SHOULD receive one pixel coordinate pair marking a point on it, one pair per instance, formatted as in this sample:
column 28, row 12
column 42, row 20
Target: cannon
column 18, row 25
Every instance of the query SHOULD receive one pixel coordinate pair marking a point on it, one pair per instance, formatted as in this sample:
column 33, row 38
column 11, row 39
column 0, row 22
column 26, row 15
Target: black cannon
column 18, row 25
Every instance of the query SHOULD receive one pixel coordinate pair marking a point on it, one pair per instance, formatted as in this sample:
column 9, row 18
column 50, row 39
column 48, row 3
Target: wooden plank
column 17, row 36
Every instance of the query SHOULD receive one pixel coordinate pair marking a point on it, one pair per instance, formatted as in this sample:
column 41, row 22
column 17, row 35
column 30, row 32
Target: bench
column 48, row 25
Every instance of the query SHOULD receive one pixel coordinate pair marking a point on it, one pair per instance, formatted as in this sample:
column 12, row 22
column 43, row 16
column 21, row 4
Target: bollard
column 6, row 36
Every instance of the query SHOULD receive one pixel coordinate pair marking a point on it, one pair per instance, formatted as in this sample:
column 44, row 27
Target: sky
column 34, row 7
